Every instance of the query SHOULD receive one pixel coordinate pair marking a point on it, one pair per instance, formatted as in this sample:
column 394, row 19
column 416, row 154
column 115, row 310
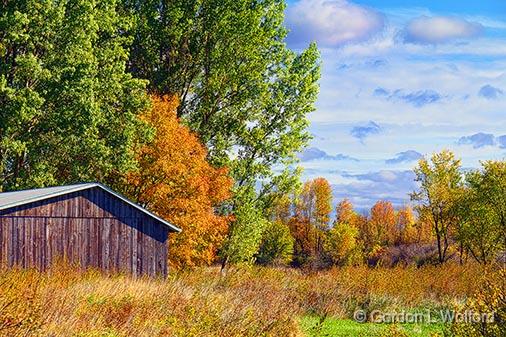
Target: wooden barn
column 87, row 224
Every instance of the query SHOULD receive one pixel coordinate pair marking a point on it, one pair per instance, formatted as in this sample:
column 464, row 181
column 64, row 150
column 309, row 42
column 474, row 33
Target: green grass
column 333, row 327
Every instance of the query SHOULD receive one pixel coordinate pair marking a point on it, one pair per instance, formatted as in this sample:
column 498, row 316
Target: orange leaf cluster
column 176, row 182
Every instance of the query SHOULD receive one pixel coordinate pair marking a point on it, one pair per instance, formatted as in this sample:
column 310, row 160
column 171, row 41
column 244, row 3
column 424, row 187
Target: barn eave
column 19, row 198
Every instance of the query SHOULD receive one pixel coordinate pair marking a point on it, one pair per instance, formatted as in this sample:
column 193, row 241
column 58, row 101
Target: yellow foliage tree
column 382, row 223
column 406, row 230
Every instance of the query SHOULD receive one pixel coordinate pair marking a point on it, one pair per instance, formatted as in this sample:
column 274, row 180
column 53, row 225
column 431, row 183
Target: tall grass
column 249, row 301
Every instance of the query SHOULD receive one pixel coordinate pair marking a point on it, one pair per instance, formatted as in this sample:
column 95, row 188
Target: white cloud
column 331, row 23
column 390, row 185
column 440, row 29
column 347, row 94
column 440, row 75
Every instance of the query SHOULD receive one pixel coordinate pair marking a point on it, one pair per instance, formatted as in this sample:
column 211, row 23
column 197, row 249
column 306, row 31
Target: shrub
column 277, row 244
column 489, row 300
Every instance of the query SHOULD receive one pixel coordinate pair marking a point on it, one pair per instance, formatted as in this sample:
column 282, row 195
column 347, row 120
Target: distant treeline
column 457, row 216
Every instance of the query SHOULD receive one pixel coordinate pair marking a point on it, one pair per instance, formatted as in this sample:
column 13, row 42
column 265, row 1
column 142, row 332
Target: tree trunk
column 439, row 248
column 224, row 263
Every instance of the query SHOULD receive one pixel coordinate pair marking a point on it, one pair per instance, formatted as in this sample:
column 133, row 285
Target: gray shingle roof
column 17, row 198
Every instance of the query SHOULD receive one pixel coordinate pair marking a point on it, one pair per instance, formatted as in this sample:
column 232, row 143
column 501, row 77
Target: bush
column 277, row 245
column 490, row 301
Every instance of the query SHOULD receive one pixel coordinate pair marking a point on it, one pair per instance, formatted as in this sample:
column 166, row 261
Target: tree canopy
column 176, row 181
column 69, row 107
column 241, row 89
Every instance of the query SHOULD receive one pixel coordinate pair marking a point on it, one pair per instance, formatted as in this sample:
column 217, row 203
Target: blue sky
column 401, row 80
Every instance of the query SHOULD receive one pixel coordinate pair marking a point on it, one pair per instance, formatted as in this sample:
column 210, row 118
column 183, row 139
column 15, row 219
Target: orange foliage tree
column 406, row 231
column 345, row 212
column 175, row 181
column 382, row 223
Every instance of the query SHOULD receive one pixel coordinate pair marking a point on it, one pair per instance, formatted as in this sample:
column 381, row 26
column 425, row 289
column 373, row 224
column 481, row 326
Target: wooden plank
column 140, row 245
column 133, row 247
column 2, row 242
column 106, row 240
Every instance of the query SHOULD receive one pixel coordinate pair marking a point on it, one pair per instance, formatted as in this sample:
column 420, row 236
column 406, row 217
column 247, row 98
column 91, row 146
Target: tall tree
column 69, row 109
column 483, row 211
column 440, row 189
column 405, row 231
column 242, row 90
column 314, row 207
column 176, row 181
column 345, row 212
column 382, row 223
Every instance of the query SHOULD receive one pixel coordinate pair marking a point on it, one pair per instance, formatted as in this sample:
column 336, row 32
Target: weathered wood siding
column 90, row 228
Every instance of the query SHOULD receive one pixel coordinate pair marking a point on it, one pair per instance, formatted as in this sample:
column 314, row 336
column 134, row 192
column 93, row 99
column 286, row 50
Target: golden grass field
column 246, row 301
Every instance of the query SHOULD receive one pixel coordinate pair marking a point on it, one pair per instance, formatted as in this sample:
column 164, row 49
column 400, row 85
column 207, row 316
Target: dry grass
column 246, row 302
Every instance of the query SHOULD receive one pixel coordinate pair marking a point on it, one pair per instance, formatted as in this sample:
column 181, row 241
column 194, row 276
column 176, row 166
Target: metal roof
column 18, row 198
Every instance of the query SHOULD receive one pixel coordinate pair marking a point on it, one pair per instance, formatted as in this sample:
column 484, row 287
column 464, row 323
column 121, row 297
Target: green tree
column 483, row 209
column 277, row 244
column 440, row 189
column 68, row 107
column 341, row 244
column 245, row 234
column 242, row 90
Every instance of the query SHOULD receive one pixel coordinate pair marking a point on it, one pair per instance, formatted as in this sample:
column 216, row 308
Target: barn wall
column 90, row 228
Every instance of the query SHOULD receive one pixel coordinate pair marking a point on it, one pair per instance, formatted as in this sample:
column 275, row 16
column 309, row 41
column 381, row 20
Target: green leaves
column 69, row 109
column 241, row 89
column 441, row 187
column 73, row 79
column 471, row 211
column 483, row 209
column 245, row 236
column 277, row 244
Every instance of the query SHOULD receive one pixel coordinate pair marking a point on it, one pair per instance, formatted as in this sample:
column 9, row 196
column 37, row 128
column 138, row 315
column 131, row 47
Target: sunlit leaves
column 176, row 181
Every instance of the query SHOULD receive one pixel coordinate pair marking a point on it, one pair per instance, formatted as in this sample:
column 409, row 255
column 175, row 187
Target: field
column 345, row 327
column 248, row 301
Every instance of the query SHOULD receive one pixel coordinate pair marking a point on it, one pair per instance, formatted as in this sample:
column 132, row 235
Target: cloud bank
column 501, row 141
column 331, row 23
column 393, row 186
column 405, row 157
column 416, row 98
column 440, row 29
column 478, row 140
column 362, row 132
column 314, row 153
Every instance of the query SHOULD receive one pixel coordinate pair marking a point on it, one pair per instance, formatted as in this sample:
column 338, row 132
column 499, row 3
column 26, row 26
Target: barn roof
column 18, row 198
